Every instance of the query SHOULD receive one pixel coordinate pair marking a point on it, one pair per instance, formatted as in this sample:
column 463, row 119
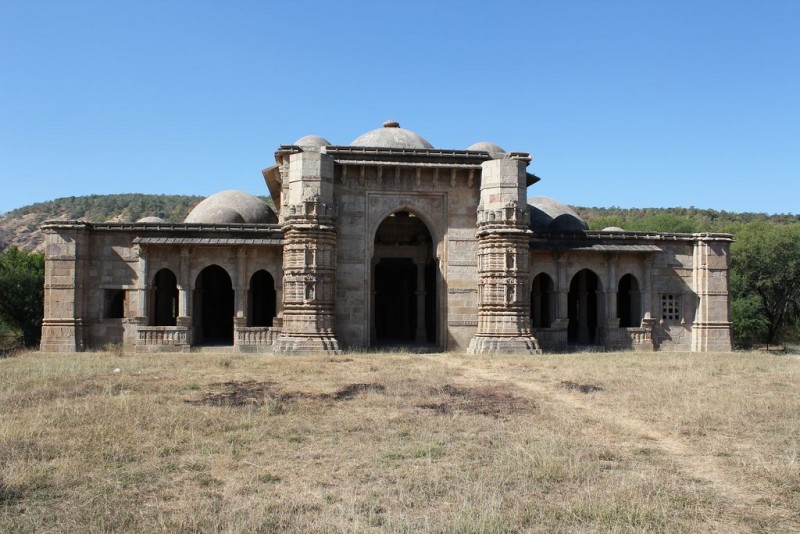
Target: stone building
column 386, row 241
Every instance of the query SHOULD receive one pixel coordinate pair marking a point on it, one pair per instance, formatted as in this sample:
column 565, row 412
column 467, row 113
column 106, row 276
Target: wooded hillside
column 20, row 227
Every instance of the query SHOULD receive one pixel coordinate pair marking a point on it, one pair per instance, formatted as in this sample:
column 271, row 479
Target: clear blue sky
column 636, row 103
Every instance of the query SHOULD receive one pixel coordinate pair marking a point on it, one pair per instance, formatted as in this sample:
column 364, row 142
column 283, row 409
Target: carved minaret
column 503, row 247
column 309, row 254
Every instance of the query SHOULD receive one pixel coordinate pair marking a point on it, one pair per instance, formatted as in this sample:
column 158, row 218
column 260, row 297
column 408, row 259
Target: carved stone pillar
column 309, row 255
column 504, row 324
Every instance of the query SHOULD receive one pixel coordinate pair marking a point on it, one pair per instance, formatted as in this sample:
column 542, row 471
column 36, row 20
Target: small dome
column 548, row 214
column 231, row 207
column 311, row 141
column 486, row 146
column 612, row 229
column 151, row 219
column 391, row 136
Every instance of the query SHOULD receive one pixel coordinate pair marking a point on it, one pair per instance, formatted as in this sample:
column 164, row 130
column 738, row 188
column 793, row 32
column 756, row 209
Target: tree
column 22, row 292
column 765, row 278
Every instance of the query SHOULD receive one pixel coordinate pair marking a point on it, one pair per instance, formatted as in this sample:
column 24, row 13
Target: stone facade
column 384, row 242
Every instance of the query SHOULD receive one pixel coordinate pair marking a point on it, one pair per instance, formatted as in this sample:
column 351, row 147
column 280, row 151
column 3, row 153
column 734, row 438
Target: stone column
column 309, row 232
column 143, row 288
column 184, row 317
column 560, row 318
column 612, row 314
column 504, row 323
column 240, row 285
column 649, row 300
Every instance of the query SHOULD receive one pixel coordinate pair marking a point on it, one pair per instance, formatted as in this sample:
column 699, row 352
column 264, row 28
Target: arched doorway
column 628, row 302
column 165, row 298
column 214, row 302
column 582, row 308
column 261, row 299
column 542, row 302
column 404, row 280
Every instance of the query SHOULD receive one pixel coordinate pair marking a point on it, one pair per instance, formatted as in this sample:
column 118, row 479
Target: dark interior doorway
column 395, row 300
column 582, row 308
column 404, row 281
column 261, row 299
column 165, row 298
column 214, row 299
column 541, row 301
column 628, row 305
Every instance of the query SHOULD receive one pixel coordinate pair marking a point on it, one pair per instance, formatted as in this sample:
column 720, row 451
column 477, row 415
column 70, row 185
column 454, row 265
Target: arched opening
column 628, row 302
column 165, row 298
column 214, row 306
column 404, row 280
column 261, row 299
column 582, row 308
column 542, row 301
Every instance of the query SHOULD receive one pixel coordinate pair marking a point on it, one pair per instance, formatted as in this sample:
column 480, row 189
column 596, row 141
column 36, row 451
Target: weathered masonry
column 386, row 241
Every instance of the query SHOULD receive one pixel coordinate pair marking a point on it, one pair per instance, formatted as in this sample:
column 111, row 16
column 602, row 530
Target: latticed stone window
column 670, row 307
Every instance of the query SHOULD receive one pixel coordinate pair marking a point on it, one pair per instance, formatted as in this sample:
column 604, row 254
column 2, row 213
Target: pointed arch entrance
column 628, row 302
column 261, row 306
column 542, row 301
column 213, row 301
column 582, row 308
column 404, row 283
column 165, row 298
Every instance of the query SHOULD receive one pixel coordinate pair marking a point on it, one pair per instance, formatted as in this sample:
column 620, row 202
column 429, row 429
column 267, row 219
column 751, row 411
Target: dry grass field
column 398, row 442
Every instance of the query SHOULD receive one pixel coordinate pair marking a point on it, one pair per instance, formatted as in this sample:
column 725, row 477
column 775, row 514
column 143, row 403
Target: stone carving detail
column 262, row 336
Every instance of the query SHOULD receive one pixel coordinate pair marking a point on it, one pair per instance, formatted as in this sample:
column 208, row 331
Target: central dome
column 391, row 136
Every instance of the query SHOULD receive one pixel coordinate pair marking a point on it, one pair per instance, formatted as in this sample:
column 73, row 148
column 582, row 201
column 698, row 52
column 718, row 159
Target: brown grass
column 394, row 442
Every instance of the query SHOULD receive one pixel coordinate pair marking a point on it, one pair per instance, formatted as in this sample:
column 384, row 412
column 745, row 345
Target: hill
column 20, row 227
column 675, row 219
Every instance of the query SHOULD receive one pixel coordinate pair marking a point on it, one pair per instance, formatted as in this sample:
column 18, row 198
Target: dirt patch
column 583, row 388
column 348, row 392
column 246, row 393
column 9, row 494
column 268, row 393
column 492, row 401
